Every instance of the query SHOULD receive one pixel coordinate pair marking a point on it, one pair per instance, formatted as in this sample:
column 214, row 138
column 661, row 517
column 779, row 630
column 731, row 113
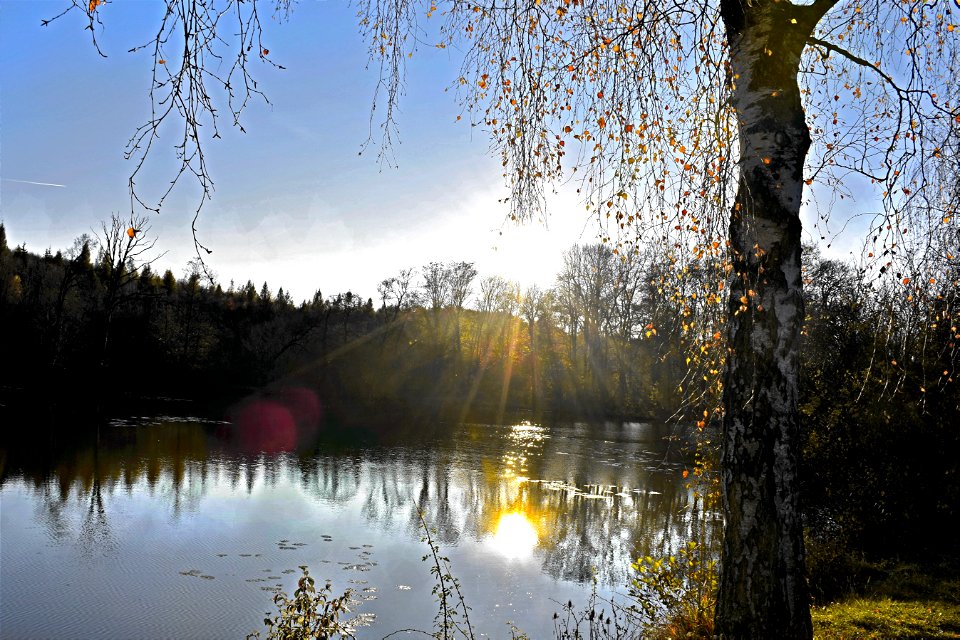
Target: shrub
column 310, row 614
column 677, row 594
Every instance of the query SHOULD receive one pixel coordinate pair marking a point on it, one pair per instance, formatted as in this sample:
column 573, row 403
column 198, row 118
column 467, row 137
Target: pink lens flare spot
column 266, row 426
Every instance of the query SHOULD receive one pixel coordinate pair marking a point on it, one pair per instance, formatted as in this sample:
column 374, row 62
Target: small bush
column 677, row 594
column 310, row 614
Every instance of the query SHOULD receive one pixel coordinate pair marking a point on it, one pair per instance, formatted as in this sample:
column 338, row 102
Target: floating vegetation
column 154, row 421
column 196, row 573
column 607, row 492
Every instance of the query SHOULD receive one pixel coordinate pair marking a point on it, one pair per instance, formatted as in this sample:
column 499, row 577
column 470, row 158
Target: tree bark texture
column 763, row 591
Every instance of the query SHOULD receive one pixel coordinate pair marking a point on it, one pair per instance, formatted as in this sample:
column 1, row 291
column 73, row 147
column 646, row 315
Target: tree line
column 436, row 336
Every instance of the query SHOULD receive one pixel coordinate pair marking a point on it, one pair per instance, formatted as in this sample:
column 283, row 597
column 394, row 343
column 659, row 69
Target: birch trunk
column 763, row 591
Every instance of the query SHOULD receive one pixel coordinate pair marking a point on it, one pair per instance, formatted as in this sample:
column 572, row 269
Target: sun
column 515, row 537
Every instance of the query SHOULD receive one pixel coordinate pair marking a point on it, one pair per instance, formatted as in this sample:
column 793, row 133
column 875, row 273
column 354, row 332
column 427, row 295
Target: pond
column 174, row 527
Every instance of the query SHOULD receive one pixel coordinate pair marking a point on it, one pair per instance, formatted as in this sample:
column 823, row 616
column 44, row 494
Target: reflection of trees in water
column 597, row 495
column 165, row 461
column 466, row 482
column 95, row 536
column 52, row 513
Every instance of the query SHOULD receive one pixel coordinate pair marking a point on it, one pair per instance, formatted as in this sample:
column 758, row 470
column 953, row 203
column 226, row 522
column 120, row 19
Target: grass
column 905, row 602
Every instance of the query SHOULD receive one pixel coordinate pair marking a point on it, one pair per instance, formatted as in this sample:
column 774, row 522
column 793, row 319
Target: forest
column 91, row 328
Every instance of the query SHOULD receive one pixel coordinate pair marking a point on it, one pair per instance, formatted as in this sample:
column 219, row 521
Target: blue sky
column 294, row 203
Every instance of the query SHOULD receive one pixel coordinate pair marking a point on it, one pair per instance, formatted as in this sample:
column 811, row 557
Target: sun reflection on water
column 525, row 438
column 515, row 536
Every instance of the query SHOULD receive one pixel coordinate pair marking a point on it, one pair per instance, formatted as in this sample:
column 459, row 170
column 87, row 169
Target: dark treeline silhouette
column 97, row 317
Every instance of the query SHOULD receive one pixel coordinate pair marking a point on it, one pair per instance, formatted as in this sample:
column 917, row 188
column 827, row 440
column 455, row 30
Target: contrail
column 42, row 184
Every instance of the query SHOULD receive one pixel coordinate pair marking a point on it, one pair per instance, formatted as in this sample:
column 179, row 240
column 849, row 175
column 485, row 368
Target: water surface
column 164, row 527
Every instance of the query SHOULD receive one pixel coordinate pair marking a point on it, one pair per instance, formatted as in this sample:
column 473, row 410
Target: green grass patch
column 905, row 603
column 885, row 618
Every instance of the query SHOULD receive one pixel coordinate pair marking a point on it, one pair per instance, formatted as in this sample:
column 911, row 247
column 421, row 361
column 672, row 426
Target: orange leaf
column 266, row 51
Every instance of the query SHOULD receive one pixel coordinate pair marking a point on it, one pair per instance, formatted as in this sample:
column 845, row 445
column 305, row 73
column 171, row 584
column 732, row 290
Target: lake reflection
column 176, row 528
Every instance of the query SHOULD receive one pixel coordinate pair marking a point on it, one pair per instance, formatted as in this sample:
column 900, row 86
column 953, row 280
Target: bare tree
column 125, row 248
column 460, row 276
column 436, row 285
column 399, row 291
column 534, row 305
column 492, row 288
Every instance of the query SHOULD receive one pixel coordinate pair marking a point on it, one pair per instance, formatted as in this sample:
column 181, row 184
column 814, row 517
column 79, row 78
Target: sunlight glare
column 515, row 536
